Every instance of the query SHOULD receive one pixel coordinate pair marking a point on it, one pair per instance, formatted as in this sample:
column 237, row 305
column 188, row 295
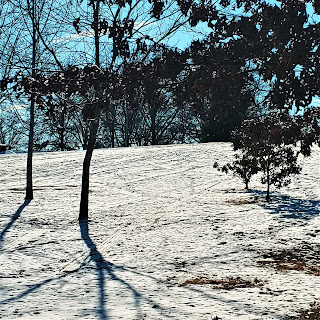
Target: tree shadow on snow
column 32, row 289
column 289, row 207
column 101, row 264
column 106, row 271
column 13, row 219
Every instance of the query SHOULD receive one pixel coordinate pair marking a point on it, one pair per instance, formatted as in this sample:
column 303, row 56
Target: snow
column 158, row 216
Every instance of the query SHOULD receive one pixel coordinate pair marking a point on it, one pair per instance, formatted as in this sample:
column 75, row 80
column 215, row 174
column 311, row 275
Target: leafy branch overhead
column 280, row 44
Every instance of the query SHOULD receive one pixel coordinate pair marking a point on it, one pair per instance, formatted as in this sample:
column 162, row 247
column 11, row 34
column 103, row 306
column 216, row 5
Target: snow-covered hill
column 167, row 237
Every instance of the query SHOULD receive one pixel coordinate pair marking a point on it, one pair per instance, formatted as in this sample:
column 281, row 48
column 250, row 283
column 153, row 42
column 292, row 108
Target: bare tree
column 26, row 38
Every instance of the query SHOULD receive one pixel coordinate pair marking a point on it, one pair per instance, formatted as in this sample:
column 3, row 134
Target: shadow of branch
column 101, row 264
column 13, row 219
column 298, row 209
column 31, row 289
column 289, row 207
column 104, row 266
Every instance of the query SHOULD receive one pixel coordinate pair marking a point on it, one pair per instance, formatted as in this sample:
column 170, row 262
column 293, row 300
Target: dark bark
column 153, row 113
column 93, row 126
column 268, row 192
column 29, row 187
column 62, row 131
column 268, row 182
column 113, row 134
column 112, row 125
column 126, row 134
column 84, row 202
column 62, row 144
column 96, row 8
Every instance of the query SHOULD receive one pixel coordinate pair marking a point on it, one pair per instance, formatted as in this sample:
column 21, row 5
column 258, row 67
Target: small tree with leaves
column 244, row 167
column 277, row 164
column 267, row 142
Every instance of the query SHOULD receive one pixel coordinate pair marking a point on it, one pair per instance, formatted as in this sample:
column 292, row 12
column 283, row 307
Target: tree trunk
column 126, row 134
column 93, row 126
column 268, row 192
column 84, row 202
column 96, row 8
column 153, row 127
column 268, row 182
column 62, row 146
column 111, row 125
column 112, row 137
column 62, row 130
column 29, row 188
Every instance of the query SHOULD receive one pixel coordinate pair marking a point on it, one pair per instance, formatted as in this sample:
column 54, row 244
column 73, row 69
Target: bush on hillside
column 266, row 146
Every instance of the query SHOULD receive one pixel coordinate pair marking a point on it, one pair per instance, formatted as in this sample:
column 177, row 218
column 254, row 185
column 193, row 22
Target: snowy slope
column 158, row 216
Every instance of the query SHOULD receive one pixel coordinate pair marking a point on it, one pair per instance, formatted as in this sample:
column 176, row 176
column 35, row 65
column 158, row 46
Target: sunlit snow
column 158, row 217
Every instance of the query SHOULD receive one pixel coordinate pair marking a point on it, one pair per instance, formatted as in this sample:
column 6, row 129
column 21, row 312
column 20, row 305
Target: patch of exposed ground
column 241, row 201
column 227, row 284
column 304, row 259
column 311, row 314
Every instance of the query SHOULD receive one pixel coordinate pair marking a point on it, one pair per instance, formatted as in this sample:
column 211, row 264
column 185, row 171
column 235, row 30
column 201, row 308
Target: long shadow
column 289, row 207
column 101, row 264
column 102, row 267
column 33, row 288
column 13, row 219
column 104, row 270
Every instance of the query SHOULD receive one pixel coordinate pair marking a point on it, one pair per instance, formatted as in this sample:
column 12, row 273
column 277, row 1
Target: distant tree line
column 43, row 36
